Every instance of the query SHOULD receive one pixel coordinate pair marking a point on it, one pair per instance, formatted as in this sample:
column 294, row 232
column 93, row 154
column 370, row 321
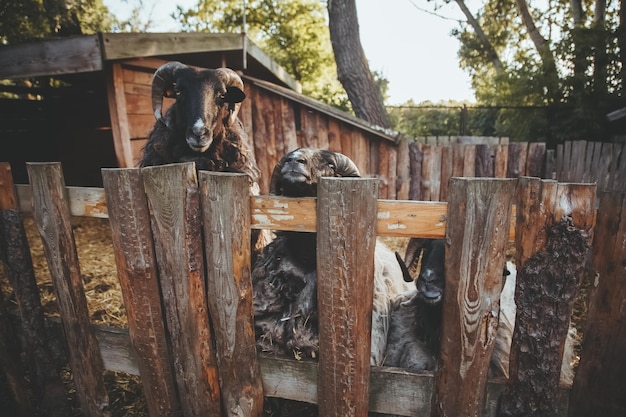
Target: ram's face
column 301, row 169
column 206, row 105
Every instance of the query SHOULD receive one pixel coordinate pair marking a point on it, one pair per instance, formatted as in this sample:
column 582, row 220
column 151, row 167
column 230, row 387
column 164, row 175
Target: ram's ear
column 234, row 95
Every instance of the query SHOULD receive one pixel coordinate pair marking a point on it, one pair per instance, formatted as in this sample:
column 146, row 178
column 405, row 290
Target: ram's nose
column 199, row 138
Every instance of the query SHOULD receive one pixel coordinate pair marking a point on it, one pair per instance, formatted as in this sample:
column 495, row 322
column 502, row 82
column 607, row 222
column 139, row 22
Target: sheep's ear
column 234, row 95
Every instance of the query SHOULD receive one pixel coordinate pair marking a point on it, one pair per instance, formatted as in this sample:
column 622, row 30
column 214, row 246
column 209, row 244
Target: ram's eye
column 332, row 166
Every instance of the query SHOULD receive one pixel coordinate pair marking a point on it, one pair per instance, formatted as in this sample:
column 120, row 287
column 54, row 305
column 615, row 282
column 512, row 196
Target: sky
column 403, row 39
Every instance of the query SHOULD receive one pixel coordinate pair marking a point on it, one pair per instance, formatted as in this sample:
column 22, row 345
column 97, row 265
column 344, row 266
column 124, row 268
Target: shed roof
column 91, row 53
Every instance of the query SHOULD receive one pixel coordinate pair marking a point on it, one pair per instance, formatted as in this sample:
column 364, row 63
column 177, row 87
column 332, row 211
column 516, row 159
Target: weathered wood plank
column 501, row 161
column 458, row 158
column 469, row 161
column 577, row 170
column 52, row 216
column 403, row 171
column 535, row 162
column 484, row 161
column 447, row 167
column 345, row 265
column 51, row 57
column 517, row 160
column 137, row 273
column 14, row 389
column 600, row 380
column 119, row 115
column 174, row 204
column 260, row 137
column 226, row 226
column 559, row 220
column 44, row 377
column 416, row 157
column 476, row 236
column 383, row 170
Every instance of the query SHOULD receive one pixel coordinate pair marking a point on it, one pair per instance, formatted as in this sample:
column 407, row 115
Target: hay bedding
column 106, row 307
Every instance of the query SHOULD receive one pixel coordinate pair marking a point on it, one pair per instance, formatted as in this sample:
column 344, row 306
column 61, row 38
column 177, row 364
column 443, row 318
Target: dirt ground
column 102, row 290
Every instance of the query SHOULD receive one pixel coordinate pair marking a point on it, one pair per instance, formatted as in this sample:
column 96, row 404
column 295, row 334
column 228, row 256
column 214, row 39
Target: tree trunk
column 491, row 52
column 352, row 67
column 543, row 48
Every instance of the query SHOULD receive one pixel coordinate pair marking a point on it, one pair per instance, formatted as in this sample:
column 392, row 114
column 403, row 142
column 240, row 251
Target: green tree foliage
column 293, row 32
column 22, row 20
column 562, row 55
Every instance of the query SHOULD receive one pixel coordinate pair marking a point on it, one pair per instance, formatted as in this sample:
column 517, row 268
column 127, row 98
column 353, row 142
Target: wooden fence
column 189, row 298
column 426, row 165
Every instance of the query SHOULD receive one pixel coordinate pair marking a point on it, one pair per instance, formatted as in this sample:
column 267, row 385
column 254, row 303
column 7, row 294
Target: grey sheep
column 416, row 317
column 285, row 278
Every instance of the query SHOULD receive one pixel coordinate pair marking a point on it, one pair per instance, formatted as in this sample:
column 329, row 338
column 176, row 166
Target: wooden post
column 137, row 274
column 553, row 229
column 226, row 217
column 174, row 204
column 45, row 376
column 403, row 176
column 479, row 212
column 52, row 216
column 600, row 380
column 346, row 213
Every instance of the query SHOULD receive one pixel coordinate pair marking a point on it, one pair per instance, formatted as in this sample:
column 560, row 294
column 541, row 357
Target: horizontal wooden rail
column 395, row 218
column 392, row 390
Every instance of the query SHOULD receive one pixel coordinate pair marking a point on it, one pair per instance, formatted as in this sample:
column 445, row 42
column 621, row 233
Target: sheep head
column 431, row 279
column 298, row 172
column 207, row 101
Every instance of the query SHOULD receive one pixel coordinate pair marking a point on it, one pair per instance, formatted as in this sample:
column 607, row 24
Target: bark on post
column 553, row 229
column 45, row 378
column 137, row 273
column 226, row 223
column 174, row 204
column 52, row 216
column 600, row 380
column 479, row 212
column 346, row 212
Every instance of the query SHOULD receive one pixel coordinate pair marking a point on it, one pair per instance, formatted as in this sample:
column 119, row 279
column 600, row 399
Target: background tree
column 293, row 32
column 30, row 19
column 352, row 66
column 559, row 54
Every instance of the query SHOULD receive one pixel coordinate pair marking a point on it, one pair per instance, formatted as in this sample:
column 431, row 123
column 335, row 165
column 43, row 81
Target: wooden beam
column 174, row 203
column 345, row 287
column 138, row 277
column 51, row 57
column 476, row 238
column 52, row 216
column 119, row 115
column 226, row 226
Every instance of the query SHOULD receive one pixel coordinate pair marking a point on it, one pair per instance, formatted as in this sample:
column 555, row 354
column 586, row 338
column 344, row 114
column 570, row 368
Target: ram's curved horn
column 234, row 92
column 163, row 86
column 345, row 166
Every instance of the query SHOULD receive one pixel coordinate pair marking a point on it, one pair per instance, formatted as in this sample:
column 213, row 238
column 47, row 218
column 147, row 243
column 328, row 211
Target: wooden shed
column 90, row 104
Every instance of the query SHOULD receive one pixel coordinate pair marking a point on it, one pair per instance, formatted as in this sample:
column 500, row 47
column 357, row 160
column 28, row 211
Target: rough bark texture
column 547, row 284
column 352, row 68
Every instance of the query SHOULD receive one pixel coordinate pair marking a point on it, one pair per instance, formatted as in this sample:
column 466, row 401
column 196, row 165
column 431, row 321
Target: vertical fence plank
column 600, row 380
column 517, row 159
column 535, row 162
column 501, row 161
column 44, row 375
column 52, row 216
column 479, row 212
column 346, row 212
column 137, row 273
column 174, row 204
column 446, row 171
column 458, row 156
column 403, row 172
column 484, row 161
column 553, row 229
column 226, row 213
column 427, row 170
column 617, row 168
column 416, row 157
column 469, row 160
